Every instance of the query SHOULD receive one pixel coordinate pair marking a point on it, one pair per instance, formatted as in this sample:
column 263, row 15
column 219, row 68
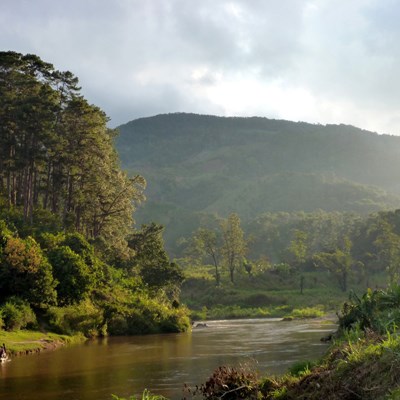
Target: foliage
column 301, row 368
column 17, row 314
column 78, row 318
column 234, row 245
column 73, row 274
column 206, row 242
column 93, row 297
column 147, row 315
column 25, row 272
column 57, row 154
column 66, row 213
column 152, row 260
column 339, row 262
column 376, row 310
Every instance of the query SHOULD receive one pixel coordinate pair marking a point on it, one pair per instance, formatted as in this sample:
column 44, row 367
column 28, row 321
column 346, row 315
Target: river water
column 162, row 363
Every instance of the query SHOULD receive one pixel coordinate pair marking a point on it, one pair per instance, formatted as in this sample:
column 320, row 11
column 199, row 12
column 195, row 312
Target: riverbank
column 238, row 312
column 25, row 342
column 362, row 363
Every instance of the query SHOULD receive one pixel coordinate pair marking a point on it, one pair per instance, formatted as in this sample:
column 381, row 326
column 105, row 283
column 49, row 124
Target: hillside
column 206, row 164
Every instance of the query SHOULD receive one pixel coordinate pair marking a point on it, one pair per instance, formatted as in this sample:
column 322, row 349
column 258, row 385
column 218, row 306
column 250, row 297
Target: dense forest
column 197, row 165
column 71, row 259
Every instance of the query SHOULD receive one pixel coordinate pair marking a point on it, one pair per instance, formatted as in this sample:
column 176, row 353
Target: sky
column 318, row 61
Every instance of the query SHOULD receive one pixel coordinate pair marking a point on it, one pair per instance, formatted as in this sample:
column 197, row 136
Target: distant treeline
column 199, row 164
column 351, row 247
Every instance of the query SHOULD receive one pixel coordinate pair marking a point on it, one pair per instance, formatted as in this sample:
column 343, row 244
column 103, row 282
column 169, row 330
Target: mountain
column 201, row 164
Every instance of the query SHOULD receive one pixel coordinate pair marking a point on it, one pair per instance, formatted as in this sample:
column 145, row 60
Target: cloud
column 328, row 61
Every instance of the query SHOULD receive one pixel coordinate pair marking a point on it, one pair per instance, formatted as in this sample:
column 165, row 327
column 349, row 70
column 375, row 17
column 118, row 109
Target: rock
column 327, row 338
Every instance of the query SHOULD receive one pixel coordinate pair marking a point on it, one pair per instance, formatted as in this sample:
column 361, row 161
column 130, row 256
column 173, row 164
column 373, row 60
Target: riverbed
column 162, row 363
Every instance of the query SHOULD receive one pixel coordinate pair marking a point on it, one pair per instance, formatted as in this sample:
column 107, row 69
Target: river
column 162, row 363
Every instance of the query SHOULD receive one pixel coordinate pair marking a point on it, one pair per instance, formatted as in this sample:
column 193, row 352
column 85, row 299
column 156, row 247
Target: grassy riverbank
column 362, row 363
column 261, row 297
column 28, row 342
column 266, row 295
column 236, row 312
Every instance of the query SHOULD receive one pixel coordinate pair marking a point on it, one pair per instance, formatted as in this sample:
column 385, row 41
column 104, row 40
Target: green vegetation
column 30, row 341
column 71, row 261
column 291, row 260
column 361, row 363
column 199, row 165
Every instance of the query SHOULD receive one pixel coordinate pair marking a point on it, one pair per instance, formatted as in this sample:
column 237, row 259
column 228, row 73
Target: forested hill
column 198, row 163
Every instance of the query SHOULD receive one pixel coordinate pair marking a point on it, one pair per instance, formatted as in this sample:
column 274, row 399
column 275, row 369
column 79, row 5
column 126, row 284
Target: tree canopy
column 57, row 153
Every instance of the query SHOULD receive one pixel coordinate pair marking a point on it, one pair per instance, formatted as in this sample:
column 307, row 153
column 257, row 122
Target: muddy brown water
column 125, row 366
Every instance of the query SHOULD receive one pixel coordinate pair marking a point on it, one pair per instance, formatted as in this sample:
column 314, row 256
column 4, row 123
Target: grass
column 307, row 312
column 25, row 341
column 262, row 295
column 233, row 312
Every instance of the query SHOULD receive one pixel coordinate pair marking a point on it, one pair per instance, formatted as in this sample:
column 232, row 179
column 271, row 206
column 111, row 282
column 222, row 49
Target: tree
column 75, row 279
column 298, row 250
column 248, row 266
column 234, row 245
column 387, row 245
column 206, row 242
column 339, row 263
column 152, row 260
column 26, row 273
column 57, row 154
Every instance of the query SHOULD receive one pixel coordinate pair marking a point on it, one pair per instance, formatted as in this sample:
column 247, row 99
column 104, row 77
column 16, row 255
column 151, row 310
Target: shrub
column 17, row 314
column 79, row 318
column 117, row 325
column 146, row 315
column 231, row 383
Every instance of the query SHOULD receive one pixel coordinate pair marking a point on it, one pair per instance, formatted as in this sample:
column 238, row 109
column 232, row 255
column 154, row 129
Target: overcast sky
column 320, row 61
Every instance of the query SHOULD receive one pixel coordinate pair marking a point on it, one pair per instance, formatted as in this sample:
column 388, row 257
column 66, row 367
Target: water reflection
column 162, row 363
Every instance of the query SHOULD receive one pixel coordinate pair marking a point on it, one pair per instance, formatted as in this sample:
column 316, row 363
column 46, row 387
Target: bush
column 79, row 318
column 117, row 325
column 230, row 383
column 146, row 315
column 17, row 314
